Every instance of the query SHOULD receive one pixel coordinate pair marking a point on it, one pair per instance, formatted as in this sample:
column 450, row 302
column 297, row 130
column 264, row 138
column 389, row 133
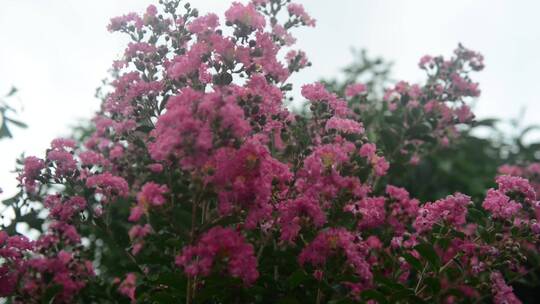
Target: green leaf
column 419, row 130
column 4, row 131
column 489, row 122
column 414, row 262
column 415, row 299
column 145, row 128
column 163, row 297
column 289, row 300
column 12, row 200
column 342, row 301
column 223, row 79
column 296, row 278
column 373, row 294
column 428, row 252
column 476, row 216
column 287, row 87
column 18, row 123
column 433, row 284
column 51, row 293
column 173, row 279
column 391, row 284
column 12, row 92
column 404, row 293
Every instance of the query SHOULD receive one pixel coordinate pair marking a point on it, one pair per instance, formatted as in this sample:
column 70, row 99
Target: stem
column 449, row 262
column 319, row 295
column 188, row 291
column 416, row 289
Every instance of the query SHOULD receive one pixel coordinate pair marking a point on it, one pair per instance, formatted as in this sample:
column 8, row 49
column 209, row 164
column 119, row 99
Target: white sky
column 57, row 51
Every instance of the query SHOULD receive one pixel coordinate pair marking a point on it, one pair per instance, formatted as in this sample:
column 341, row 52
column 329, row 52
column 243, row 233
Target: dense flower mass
column 451, row 210
column 502, row 293
column 222, row 244
column 108, row 185
column 329, row 242
column 197, row 184
column 32, row 170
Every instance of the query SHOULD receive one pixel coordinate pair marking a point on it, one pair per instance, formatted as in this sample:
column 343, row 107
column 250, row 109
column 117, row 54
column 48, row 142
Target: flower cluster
column 450, row 210
column 198, row 184
column 330, row 242
column 220, row 244
column 32, row 268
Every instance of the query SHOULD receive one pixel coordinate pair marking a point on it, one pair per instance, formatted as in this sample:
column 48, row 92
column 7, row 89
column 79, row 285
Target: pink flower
column 69, row 232
column 116, row 152
column 368, row 150
column 108, row 184
column 64, row 161
column 245, row 180
column 8, row 281
column 464, row 87
column 152, row 194
column 139, row 232
column 325, row 157
column 293, row 213
column 397, row 193
column 500, row 205
column 450, row 210
column 374, row 242
column 379, row 163
column 344, row 125
column 510, row 170
column 136, row 213
column 464, row 114
column 64, row 210
column 415, row 159
column 268, row 60
column 205, row 23
column 156, row 167
column 90, row 158
column 298, row 11
column 220, row 245
column 128, row 286
column 517, row 184
column 403, row 209
column 32, row 167
column 370, row 210
column 426, row 62
column 280, row 32
column 355, row 89
column 118, row 23
column 183, row 66
column 316, row 92
column 333, row 241
column 135, row 49
column 31, row 172
column 246, row 15
column 63, row 143
column 534, row 168
column 297, row 60
column 183, row 132
column 502, row 293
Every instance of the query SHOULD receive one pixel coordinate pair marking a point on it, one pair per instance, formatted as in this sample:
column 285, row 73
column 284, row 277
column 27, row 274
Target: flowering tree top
column 198, row 185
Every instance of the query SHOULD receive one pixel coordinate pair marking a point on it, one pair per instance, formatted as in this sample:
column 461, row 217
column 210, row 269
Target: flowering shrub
column 198, row 185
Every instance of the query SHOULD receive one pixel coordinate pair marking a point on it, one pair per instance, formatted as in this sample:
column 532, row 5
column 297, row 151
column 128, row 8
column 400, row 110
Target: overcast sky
column 57, row 51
